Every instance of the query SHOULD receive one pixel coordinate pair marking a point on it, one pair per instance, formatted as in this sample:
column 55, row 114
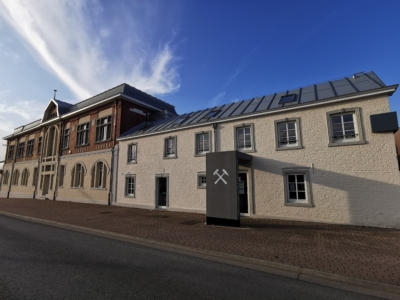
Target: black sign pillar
column 222, row 171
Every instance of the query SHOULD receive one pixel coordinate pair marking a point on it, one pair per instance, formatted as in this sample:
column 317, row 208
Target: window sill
column 29, row 155
column 78, row 146
column 298, row 204
column 289, row 148
column 170, row 157
column 99, row 189
column 133, row 162
column 337, row 144
column 103, row 141
column 201, row 187
column 126, row 196
column 76, row 188
column 246, row 150
column 201, row 154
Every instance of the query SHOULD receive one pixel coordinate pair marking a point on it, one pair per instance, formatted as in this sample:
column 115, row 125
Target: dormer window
column 52, row 115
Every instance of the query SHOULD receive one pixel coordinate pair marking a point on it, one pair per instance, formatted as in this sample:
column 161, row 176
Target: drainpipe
column 58, row 160
column 112, row 153
column 12, row 168
column 39, row 159
column 215, row 125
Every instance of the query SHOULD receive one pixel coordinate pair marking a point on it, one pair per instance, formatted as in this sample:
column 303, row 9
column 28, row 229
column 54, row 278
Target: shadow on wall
column 344, row 198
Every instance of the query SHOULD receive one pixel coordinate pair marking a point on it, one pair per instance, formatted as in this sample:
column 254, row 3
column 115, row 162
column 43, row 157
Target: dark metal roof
column 359, row 83
column 123, row 90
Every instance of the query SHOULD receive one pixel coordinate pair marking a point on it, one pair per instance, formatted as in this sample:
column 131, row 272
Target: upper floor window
column 78, row 174
column 170, row 147
column 39, row 148
column 29, row 148
column 99, row 175
column 202, row 143
column 65, row 141
column 20, row 149
column 244, row 137
column 103, row 129
column 288, row 134
column 345, row 127
column 10, row 154
column 52, row 115
column 82, row 134
column 132, row 152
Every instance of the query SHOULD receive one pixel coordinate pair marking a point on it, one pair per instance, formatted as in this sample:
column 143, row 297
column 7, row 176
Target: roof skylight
column 211, row 114
column 287, row 98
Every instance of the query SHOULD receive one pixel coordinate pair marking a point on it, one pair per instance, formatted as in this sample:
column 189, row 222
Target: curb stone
column 350, row 284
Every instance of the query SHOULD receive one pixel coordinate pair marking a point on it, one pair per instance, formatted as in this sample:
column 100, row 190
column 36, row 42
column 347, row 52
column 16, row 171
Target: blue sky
column 192, row 54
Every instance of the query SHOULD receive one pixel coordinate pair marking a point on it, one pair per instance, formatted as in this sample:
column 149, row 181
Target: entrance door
column 243, row 194
column 46, row 183
column 161, row 192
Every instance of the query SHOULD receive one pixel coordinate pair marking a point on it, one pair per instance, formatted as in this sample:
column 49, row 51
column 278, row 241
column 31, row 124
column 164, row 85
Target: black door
column 162, row 191
column 243, row 198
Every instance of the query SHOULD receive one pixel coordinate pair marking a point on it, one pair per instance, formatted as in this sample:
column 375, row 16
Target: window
column 65, row 141
column 132, row 152
column 35, row 176
column 202, row 143
column 103, row 129
column 288, row 134
column 244, row 137
column 61, row 176
column 201, row 181
column 24, row 177
column 211, row 114
column 78, row 174
column 20, row 150
column 52, row 115
column 10, row 154
column 130, row 185
column 170, row 147
column 297, row 187
column 5, row 177
column 15, row 178
column 345, row 127
column 287, row 98
column 99, row 175
column 82, row 134
column 29, row 148
column 39, row 145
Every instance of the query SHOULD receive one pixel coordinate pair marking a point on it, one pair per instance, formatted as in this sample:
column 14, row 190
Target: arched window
column 5, row 177
column 99, row 175
column 24, row 177
column 15, row 177
column 78, row 174
column 51, row 142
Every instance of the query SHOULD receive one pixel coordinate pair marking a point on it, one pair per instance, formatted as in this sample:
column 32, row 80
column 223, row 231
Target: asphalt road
column 43, row 262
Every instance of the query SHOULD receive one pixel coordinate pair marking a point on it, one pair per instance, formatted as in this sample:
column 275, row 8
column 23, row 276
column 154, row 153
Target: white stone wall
column 353, row 184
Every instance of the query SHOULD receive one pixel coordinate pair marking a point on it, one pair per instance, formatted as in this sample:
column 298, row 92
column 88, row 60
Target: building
column 68, row 154
column 322, row 153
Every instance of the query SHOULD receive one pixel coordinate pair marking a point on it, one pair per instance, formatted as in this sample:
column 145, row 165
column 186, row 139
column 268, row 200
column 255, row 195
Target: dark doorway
column 243, row 194
column 161, row 192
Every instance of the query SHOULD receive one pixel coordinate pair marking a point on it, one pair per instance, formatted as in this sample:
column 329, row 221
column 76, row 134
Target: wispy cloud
column 217, row 99
column 76, row 40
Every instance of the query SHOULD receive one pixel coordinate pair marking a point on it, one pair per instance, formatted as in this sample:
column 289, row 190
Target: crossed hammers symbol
column 220, row 176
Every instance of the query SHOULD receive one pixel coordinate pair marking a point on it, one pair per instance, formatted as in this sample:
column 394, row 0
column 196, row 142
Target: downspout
column 215, row 125
column 12, row 168
column 58, row 160
column 112, row 153
column 39, row 159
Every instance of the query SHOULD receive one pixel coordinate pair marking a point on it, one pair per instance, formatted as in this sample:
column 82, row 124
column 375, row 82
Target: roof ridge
column 126, row 84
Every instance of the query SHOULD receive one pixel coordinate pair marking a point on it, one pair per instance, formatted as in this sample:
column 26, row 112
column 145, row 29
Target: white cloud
column 217, row 99
column 73, row 42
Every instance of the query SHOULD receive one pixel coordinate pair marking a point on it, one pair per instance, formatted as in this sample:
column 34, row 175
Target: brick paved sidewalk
column 359, row 252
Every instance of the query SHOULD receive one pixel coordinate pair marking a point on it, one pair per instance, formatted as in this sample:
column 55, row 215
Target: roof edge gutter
column 386, row 90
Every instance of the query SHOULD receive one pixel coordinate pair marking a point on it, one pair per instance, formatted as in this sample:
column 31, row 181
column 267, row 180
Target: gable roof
column 358, row 84
column 124, row 90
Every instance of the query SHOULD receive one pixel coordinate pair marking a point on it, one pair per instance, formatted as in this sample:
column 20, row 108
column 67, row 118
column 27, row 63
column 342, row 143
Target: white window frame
column 78, row 176
column 10, row 153
column 173, row 153
column 103, row 129
column 99, row 175
column 200, row 182
column 358, row 128
column 132, row 153
column 237, row 130
column 20, row 149
column 24, row 177
column 288, row 187
column 82, row 134
column 65, row 141
column 130, row 191
column 197, row 143
column 29, row 147
column 299, row 143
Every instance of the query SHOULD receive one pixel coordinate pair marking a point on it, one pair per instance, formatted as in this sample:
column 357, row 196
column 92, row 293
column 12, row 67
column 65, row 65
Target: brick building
column 323, row 153
column 69, row 154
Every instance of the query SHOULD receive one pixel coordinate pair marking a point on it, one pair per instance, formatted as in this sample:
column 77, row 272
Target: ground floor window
column 5, row 178
column 99, row 175
column 130, row 182
column 35, row 176
column 24, row 177
column 297, row 187
column 201, row 181
column 78, row 174
column 15, row 178
column 61, row 176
